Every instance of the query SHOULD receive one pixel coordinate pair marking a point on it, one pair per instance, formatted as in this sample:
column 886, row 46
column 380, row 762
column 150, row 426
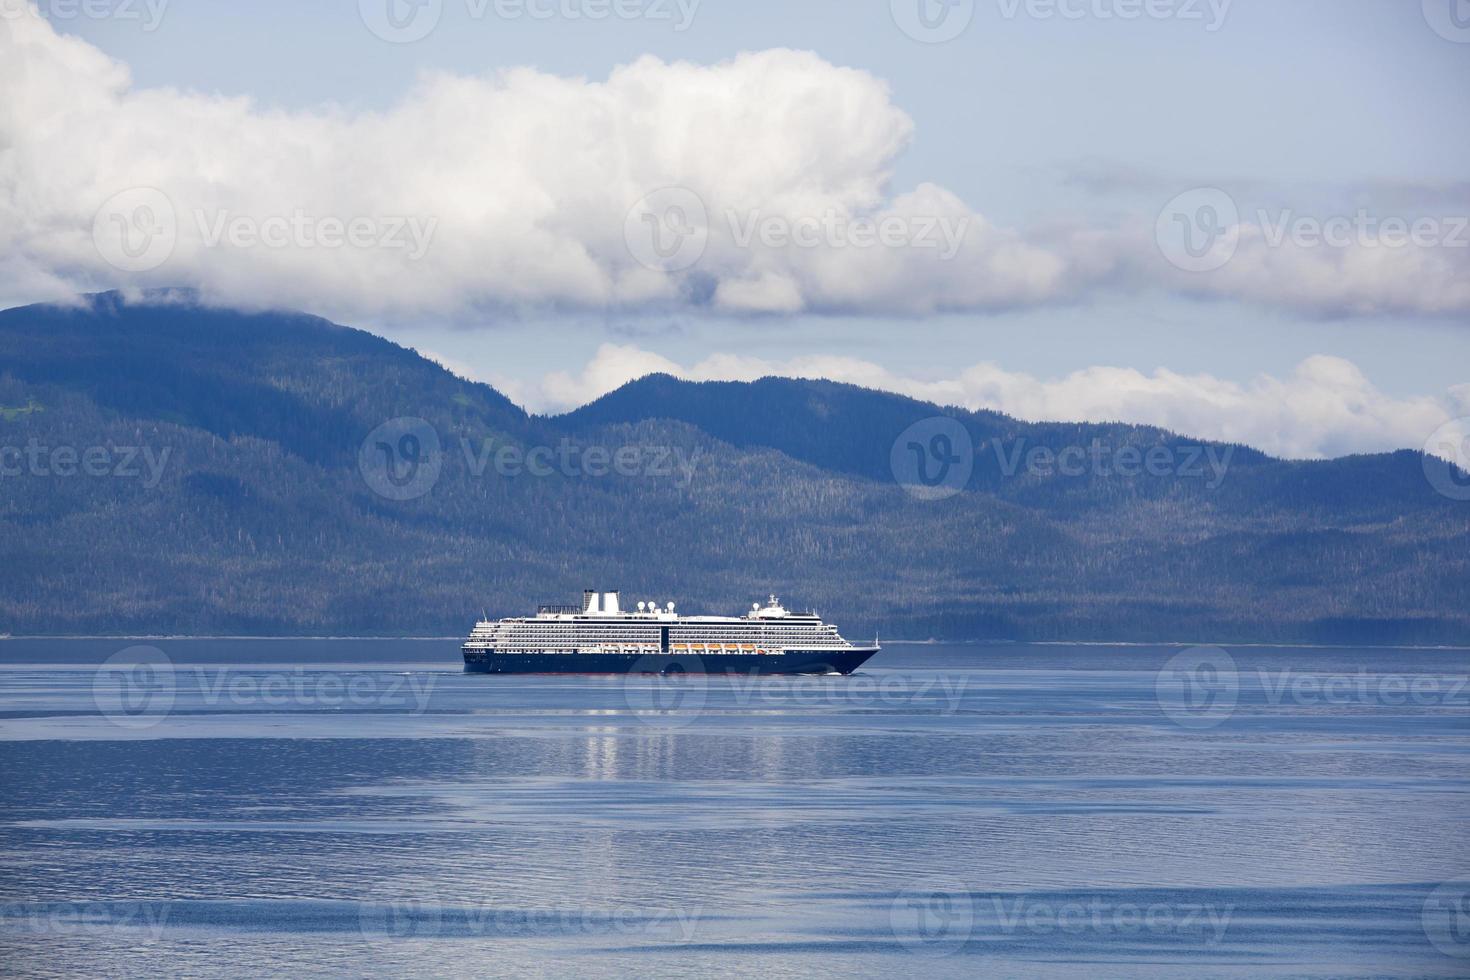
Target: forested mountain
column 172, row 468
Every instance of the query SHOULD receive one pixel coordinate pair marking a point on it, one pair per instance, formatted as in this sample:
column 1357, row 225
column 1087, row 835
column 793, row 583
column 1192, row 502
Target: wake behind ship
column 599, row 637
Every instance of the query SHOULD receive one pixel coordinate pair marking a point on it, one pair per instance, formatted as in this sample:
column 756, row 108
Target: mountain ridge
column 265, row 520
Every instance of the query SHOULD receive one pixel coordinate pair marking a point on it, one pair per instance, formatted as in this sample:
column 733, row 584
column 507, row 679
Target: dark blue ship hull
column 790, row 662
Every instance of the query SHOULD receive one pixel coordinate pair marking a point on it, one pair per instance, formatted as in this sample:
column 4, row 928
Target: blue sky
column 1038, row 121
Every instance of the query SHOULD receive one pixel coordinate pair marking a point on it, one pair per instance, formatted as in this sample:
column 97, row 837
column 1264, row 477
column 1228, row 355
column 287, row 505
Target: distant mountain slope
column 252, row 504
column 850, row 429
column 296, row 380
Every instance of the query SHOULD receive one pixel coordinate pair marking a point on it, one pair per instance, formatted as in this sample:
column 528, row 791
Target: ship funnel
column 610, row 603
column 589, row 601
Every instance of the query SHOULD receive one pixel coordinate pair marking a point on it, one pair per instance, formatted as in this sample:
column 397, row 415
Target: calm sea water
column 341, row 808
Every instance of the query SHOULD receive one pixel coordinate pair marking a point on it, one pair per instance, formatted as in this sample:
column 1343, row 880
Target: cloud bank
column 756, row 185
column 1326, row 408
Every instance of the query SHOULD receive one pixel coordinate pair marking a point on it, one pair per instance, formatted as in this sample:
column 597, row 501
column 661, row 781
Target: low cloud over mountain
column 1326, row 407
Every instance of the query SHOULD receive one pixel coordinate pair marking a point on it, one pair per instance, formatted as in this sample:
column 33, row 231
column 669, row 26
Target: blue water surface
column 349, row 808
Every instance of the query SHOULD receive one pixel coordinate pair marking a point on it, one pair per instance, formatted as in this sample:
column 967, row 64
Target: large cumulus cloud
column 520, row 185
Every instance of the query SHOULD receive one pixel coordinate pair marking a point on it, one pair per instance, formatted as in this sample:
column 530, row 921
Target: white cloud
column 518, row 185
column 1327, row 407
column 1356, row 280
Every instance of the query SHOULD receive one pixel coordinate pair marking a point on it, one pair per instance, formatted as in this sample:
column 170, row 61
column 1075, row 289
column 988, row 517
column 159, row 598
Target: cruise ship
column 601, row 637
